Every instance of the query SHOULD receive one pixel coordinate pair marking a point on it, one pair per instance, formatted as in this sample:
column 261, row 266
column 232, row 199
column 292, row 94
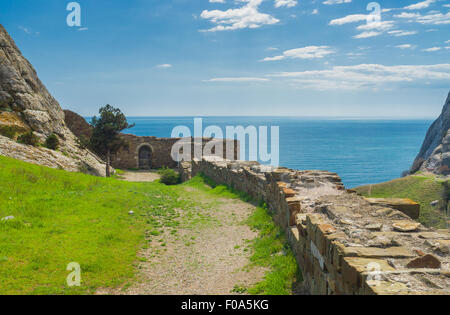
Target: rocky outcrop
column 434, row 156
column 26, row 105
column 78, row 125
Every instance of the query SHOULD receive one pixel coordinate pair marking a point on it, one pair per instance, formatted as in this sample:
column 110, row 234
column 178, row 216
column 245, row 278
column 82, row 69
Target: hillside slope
column 420, row 188
column 26, row 105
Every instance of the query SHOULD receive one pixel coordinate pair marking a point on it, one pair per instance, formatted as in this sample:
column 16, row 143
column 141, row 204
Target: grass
column 421, row 189
column 63, row 217
column 270, row 249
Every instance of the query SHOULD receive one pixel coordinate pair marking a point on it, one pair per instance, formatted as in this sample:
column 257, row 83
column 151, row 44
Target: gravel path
column 140, row 176
column 207, row 260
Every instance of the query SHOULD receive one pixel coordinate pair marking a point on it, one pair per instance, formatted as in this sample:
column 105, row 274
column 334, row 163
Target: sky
column 342, row 58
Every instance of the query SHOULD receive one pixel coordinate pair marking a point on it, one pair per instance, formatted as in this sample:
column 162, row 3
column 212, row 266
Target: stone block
column 288, row 193
column 405, row 226
column 374, row 287
column 407, row 206
column 426, row 261
column 353, row 269
column 294, row 205
column 374, row 252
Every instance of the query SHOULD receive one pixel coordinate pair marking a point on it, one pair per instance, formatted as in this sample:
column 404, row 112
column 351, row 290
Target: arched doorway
column 145, row 158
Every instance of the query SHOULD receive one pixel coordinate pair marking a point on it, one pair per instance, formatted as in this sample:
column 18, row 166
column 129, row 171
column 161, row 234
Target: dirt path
column 202, row 258
column 140, row 176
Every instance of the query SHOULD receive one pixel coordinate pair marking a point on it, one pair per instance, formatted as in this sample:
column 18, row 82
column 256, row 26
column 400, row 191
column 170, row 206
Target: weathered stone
column 427, row 261
column 354, row 267
column 435, row 235
column 374, row 226
column 386, row 287
column 391, row 252
column 406, row 226
column 294, row 205
column 407, row 206
column 288, row 192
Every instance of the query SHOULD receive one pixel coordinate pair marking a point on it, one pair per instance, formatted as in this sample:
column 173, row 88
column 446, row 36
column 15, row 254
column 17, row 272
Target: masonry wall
column 343, row 244
column 161, row 148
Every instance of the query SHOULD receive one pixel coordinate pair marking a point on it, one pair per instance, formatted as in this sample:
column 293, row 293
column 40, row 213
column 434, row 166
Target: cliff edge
column 434, row 156
column 26, row 105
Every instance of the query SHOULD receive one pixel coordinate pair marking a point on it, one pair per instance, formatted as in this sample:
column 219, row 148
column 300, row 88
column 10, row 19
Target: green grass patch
column 271, row 249
column 421, row 189
column 63, row 217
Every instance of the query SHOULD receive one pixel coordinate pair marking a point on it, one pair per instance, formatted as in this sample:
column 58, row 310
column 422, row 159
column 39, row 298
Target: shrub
column 169, row 176
column 29, row 138
column 8, row 132
column 52, row 142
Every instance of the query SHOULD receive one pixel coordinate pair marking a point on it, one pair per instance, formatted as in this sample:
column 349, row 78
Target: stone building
column 148, row 152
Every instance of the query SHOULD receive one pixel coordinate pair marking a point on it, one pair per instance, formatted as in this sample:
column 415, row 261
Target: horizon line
column 281, row 116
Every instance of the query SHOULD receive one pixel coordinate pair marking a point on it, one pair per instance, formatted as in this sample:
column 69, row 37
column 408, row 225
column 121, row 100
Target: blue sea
column 361, row 151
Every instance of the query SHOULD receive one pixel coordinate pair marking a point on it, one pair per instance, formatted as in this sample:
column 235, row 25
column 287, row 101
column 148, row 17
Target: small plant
column 8, row 132
column 29, row 138
column 169, row 176
column 52, row 142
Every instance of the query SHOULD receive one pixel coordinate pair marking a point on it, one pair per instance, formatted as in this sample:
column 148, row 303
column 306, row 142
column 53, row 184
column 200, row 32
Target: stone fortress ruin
column 145, row 153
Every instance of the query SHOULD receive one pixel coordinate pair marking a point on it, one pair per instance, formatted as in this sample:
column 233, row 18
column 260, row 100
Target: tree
column 105, row 139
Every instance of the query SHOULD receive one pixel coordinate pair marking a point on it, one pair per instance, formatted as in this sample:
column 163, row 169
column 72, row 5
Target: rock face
column 26, row 105
column 78, row 125
column 434, row 155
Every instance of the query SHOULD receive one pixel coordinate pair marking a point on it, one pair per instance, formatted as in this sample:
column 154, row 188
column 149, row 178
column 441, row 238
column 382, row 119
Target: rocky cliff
column 434, row 156
column 26, row 105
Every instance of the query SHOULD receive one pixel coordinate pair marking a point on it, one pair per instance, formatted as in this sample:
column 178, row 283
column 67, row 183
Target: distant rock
column 434, row 156
column 26, row 105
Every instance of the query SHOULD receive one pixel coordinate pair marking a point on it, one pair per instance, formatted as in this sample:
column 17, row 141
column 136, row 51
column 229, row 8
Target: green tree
column 105, row 139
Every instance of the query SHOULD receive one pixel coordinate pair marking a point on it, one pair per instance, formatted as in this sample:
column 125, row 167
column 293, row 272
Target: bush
column 29, row 138
column 169, row 176
column 52, row 142
column 8, row 132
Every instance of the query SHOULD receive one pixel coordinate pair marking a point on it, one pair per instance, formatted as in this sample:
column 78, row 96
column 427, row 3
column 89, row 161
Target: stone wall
column 128, row 156
column 343, row 243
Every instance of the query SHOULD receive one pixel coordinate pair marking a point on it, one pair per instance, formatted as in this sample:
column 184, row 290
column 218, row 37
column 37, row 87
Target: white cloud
column 405, row 46
column 353, row 18
column 432, row 49
column 309, row 52
column 238, row 79
column 315, row 11
column 331, row 2
column 217, row 1
column 247, row 16
column 421, row 5
column 365, row 76
column 164, row 66
column 433, row 18
column 400, row 33
column 367, row 34
column 380, row 26
column 285, row 3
